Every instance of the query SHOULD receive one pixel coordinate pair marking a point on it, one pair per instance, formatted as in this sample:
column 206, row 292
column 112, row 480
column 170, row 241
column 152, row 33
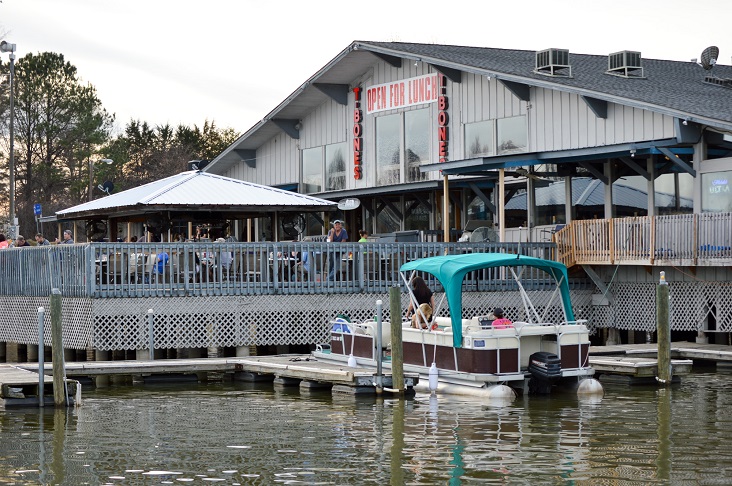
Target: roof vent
column 723, row 82
column 626, row 64
column 553, row 62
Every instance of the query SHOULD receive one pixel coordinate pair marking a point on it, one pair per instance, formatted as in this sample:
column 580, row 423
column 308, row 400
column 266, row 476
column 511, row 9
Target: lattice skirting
column 19, row 320
column 691, row 306
column 227, row 321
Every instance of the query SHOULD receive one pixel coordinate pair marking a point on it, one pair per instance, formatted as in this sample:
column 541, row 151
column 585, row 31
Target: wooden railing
column 685, row 240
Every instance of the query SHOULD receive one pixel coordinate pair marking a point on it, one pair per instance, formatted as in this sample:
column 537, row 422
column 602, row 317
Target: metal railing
column 684, row 239
column 109, row 270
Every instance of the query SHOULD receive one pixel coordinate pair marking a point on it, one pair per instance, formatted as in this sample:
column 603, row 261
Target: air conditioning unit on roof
column 553, row 62
column 625, row 63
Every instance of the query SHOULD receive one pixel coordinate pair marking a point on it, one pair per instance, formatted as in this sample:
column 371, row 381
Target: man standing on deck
column 337, row 234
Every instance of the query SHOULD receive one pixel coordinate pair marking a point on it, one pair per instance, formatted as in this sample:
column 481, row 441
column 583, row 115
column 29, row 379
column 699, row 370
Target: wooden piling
column 663, row 332
column 397, row 353
column 57, row 350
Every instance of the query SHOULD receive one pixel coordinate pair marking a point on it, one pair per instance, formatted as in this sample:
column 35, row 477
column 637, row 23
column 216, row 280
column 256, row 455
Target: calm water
column 239, row 433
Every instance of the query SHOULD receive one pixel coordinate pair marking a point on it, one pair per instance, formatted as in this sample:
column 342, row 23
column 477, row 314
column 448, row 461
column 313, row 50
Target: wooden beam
column 633, row 165
column 249, row 157
column 598, row 107
column 482, row 197
column 520, row 90
column 455, row 75
column 337, row 92
column 288, row 125
column 598, row 175
column 393, row 60
column 677, row 161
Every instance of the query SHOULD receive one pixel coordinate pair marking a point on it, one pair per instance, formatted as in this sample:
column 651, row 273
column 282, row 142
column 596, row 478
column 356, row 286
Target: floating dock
column 285, row 370
column 638, row 363
column 19, row 386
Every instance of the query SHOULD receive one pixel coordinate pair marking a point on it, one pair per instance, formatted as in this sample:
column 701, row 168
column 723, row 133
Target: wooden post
column 57, row 350
column 397, row 353
column 663, row 331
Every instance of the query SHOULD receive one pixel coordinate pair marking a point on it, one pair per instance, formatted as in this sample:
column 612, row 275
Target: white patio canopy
column 196, row 192
column 192, row 197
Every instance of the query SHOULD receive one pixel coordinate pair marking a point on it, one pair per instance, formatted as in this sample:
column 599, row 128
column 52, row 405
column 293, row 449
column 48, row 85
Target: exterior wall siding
column 556, row 121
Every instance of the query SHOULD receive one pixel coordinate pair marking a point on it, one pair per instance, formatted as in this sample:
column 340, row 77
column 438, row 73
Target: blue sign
column 37, row 209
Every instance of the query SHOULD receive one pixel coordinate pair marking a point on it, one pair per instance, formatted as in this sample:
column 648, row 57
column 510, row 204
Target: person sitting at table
column 67, row 239
column 161, row 260
column 20, row 241
column 301, row 269
column 40, row 240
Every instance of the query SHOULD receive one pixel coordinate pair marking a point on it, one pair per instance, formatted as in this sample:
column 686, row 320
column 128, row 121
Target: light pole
column 8, row 47
column 91, row 175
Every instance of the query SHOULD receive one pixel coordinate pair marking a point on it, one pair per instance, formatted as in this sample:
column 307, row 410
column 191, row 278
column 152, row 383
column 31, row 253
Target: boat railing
column 108, row 270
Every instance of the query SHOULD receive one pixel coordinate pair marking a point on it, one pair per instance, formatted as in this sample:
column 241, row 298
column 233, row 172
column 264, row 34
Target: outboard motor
column 545, row 369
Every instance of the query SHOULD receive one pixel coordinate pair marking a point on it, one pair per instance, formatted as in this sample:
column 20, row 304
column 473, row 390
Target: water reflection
column 260, row 434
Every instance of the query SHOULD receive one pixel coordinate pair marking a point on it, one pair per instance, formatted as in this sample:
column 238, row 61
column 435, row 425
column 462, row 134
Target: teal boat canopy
column 450, row 270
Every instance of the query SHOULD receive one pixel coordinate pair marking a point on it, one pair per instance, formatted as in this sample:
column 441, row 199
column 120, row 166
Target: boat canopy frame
column 450, row 270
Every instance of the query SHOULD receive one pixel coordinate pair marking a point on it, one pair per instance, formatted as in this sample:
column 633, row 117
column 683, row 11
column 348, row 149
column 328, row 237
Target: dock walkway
column 19, row 385
column 638, row 363
column 286, row 370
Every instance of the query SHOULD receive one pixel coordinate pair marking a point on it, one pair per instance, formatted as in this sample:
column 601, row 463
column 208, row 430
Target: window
column 312, row 170
column 388, row 148
column 479, row 139
column 673, row 194
column 512, row 135
column 716, row 193
column 416, row 142
column 335, row 166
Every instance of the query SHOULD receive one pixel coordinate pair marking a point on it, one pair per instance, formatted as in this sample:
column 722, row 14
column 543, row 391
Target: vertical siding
column 556, row 121
column 562, row 121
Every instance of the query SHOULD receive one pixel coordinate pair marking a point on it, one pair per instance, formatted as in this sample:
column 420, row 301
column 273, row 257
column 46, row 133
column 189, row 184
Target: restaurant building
column 624, row 161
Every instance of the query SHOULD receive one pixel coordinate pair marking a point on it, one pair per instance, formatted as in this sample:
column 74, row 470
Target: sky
column 233, row 61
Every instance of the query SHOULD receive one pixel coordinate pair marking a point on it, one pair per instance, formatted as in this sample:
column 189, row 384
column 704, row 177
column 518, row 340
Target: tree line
column 60, row 126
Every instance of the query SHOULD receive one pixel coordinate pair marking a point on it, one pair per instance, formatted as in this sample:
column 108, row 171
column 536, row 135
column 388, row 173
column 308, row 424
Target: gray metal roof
column 591, row 192
column 194, row 191
column 673, row 88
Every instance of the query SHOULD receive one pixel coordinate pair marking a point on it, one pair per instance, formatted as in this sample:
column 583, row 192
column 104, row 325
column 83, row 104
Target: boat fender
column 352, row 363
column 433, row 377
column 590, row 386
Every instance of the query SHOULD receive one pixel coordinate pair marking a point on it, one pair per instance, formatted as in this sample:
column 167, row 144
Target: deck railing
column 685, row 239
column 109, row 270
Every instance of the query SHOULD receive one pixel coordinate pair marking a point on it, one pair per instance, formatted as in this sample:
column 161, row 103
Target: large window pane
column 388, row 148
column 512, row 135
column 335, row 166
column 416, row 143
column 716, row 193
column 312, row 170
column 479, row 139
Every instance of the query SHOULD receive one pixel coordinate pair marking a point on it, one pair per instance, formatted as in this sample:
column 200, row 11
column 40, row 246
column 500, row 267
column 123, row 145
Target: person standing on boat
column 501, row 322
column 337, row 234
column 425, row 302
